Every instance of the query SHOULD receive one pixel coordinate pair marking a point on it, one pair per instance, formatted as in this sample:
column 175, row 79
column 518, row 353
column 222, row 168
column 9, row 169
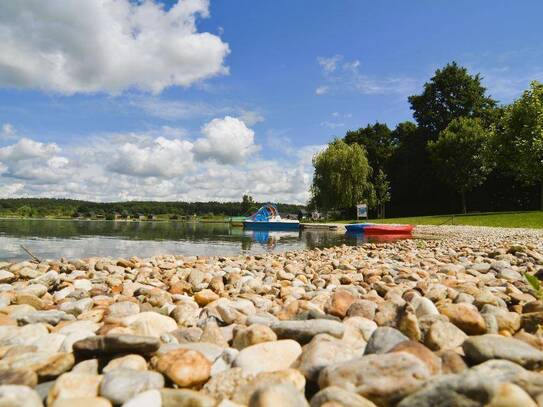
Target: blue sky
column 196, row 100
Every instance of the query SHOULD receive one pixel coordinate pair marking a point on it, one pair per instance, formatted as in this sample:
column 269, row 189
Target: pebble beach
column 447, row 319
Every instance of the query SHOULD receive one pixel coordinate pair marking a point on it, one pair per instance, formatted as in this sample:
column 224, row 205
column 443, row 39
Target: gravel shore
column 444, row 320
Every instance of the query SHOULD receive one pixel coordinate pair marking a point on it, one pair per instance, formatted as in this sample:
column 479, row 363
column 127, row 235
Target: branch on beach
column 30, row 254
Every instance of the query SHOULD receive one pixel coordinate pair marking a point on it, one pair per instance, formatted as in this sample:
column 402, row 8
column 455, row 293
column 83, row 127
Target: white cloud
column 329, row 65
column 346, row 76
column 168, row 109
column 27, row 149
column 7, row 132
column 322, row 90
column 157, row 165
column 227, row 141
column 160, row 157
column 106, row 45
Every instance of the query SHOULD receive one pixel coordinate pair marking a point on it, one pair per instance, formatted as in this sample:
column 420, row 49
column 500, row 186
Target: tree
column 519, row 137
column 460, row 155
column 378, row 141
column 451, row 93
column 246, row 203
column 382, row 192
column 341, row 178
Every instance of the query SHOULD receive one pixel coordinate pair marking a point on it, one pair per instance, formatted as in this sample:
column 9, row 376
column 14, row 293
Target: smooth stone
column 23, row 377
column 341, row 398
column 474, row 387
column 149, row 398
column 185, row 398
column 384, row 339
column 122, row 309
column 134, row 362
column 508, row 395
column 56, row 365
column 444, row 335
column 253, row 335
column 485, row 347
column 112, row 344
column 89, row 366
column 120, row 385
column 77, row 307
column 12, row 395
column 74, row 385
column 324, row 351
column 422, row 352
column 362, row 308
column 304, row 331
column 340, row 303
column 185, row 367
column 51, row 317
column 382, row 378
column 83, row 402
column 149, row 324
column 466, row 317
column 278, row 395
column 269, row 356
column 244, row 389
column 424, row 306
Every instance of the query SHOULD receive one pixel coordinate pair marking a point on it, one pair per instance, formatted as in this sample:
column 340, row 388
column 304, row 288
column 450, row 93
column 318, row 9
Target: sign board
column 362, row 211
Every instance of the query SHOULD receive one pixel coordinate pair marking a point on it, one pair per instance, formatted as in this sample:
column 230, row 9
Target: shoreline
column 376, row 323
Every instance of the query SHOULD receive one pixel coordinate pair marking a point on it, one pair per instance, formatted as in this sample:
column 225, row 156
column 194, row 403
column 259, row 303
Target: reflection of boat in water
column 361, row 237
column 270, row 238
column 268, row 218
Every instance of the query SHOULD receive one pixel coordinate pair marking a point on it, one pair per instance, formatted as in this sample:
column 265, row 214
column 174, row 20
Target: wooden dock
column 322, row 226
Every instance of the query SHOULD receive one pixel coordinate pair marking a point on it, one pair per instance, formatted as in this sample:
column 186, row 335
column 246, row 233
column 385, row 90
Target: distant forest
column 40, row 207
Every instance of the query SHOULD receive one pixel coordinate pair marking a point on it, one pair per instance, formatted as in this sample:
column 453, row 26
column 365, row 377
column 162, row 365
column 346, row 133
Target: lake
column 50, row 239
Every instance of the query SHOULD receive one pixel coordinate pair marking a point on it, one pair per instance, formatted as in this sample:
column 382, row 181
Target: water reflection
column 74, row 239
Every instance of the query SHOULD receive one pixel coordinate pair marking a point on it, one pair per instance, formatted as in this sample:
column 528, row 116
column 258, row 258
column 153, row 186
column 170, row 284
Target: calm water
column 48, row 239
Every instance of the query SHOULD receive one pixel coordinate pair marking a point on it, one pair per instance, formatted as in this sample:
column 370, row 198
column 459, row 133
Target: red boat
column 376, row 229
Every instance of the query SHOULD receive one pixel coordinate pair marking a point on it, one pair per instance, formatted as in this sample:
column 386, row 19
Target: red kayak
column 388, row 229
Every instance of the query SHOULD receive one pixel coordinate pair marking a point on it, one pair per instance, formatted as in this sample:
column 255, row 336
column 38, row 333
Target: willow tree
column 520, row 137
column 341, row 178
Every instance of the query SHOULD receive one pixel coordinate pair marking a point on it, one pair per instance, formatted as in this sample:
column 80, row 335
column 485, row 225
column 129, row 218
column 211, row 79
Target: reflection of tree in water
column 324, row 239
column 131, row 230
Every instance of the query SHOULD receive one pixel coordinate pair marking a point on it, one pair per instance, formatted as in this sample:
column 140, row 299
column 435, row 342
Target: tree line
column 37, row 207
column 464, row 152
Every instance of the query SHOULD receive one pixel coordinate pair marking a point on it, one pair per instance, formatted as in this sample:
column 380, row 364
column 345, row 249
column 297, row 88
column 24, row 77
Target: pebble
column 149, row 398
column 185, row 367
column 269, row 356
column 112, row 344
column 304, row 331
column 278, row 395
column 74, row 385
column 486, row 347
column 120, row 385
column 384, row 339
column 336, row 396
column 12, row 395
column 421, row 322
column 383, row 379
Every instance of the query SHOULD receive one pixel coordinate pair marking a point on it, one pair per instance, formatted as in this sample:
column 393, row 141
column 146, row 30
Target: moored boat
column 388, row 229
column 379, row 229
column 268, row 218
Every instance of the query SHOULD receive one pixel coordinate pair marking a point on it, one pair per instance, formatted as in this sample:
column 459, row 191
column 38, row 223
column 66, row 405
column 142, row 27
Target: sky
column 196, row 100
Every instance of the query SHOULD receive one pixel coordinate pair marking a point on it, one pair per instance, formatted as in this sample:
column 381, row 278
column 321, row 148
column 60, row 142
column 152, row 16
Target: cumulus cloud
column 227, row 141
column 106, row 45
column 160, row 157
column 160, row 164
column 27, row 149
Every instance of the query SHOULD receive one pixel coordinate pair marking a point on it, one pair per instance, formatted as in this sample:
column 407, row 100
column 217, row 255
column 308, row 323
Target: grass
column 504, row 219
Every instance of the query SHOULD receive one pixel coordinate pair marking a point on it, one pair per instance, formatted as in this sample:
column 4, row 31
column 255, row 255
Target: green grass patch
column 505, row 219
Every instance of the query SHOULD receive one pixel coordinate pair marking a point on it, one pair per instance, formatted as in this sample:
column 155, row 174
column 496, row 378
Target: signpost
column 361, row 211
